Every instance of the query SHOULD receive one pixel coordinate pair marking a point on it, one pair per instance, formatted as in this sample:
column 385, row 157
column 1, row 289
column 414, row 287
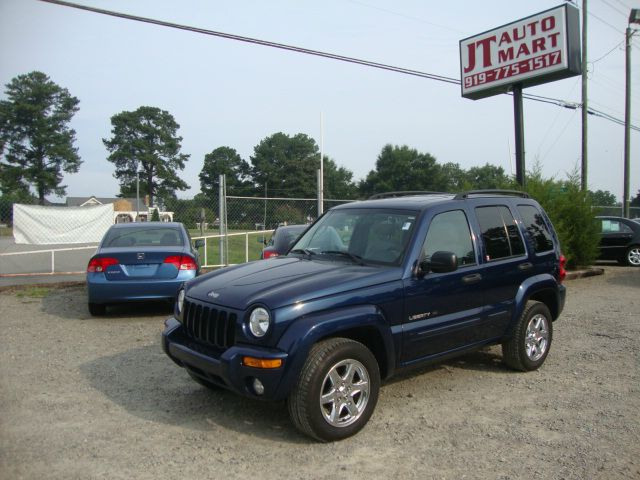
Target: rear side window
column 537, row 228
column 614, row 226
column 500, row 233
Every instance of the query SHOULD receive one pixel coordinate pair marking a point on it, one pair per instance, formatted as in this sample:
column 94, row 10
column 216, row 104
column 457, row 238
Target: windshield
column 370, row 235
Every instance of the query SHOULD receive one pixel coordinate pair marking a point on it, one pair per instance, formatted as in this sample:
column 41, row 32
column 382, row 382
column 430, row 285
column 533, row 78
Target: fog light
column 258, row 387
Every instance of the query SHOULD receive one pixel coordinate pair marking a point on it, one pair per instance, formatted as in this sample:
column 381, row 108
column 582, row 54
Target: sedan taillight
column 182, row 262
column 100, row 264
column 269, row 253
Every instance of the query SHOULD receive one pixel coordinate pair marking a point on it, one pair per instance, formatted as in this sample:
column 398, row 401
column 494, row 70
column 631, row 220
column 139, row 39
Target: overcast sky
column 228, row 93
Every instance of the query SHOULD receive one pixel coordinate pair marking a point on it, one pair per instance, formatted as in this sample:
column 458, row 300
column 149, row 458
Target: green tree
column 488, row 177
column 603, row 198
column 146, row 139
column 453, row 178
column 36, row 143
column 287, row 165
column 338, row 181
column 402, row 168
column 224, row 161
column 635, row 201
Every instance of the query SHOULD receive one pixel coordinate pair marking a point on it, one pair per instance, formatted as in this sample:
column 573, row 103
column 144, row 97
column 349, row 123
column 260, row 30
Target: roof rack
column 407, row 193
column 515, row 193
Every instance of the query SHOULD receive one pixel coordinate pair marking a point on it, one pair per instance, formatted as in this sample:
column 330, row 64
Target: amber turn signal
column 262, row 362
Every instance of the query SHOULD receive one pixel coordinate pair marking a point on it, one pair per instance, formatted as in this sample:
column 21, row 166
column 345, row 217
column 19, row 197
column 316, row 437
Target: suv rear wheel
column 337, row 390
column 529, row 345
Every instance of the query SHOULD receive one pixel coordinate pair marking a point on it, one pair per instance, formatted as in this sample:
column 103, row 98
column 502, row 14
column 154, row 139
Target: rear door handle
column 473, row 278
column 525, row 266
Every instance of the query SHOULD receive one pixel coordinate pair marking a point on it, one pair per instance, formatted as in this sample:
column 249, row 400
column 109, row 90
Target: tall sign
column 541, row 48
column 538, row 49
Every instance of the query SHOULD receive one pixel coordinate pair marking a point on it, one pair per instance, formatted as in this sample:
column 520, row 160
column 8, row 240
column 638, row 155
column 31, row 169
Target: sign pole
column 519, row 128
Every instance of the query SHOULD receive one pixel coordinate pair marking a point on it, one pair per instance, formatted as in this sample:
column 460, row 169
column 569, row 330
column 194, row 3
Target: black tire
column 203, row 382
column 528, row 347
column 97, row 309
column 355, row 398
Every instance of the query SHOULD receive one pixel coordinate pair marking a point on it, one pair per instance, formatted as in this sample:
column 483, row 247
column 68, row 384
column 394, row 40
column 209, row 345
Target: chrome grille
column 208, row 324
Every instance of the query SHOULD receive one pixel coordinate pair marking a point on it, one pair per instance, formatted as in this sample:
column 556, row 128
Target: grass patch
column 238, row 246
column 34, row 292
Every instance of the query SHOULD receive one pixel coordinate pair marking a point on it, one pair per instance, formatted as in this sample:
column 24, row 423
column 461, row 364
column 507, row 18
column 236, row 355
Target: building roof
column 93, row 200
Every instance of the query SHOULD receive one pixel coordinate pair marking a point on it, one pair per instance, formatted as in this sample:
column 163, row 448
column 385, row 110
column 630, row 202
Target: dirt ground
column 82, row 397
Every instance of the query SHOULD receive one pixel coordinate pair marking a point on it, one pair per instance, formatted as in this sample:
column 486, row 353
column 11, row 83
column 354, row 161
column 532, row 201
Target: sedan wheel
column 633, row 256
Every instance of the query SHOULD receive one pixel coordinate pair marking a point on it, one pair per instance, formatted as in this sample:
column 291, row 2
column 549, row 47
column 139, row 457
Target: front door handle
column 473, row 278
column 525, row 266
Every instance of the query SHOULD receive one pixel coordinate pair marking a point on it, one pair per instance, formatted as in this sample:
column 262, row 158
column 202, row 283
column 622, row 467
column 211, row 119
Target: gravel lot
column 96, row 398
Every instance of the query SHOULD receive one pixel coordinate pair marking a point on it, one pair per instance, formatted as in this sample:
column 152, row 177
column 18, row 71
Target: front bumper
column 225, row 367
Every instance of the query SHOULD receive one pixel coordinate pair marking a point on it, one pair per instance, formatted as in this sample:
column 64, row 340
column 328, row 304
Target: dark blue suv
column 370, row 289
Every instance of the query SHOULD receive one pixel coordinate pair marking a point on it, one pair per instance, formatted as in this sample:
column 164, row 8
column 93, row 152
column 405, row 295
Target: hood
column 282, row 281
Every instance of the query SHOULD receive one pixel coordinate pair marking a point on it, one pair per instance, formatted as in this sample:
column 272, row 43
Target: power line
column 409, row 17
column 624, row 4
column 606, row 23
column 608, row 53
column 318, row 53
column 616, row 9
column 257, row 41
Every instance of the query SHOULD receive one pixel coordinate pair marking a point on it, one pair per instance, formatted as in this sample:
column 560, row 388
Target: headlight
column 259, row 322
column 180, row 303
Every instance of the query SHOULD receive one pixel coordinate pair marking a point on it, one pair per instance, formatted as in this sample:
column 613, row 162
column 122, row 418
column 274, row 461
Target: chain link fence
column 239, row 236
column 238, row 231
column 634, row 212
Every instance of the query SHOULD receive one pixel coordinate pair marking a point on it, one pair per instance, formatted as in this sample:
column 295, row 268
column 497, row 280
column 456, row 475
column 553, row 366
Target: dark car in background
column 620, row 240
column 283, row 237
column 140, row 262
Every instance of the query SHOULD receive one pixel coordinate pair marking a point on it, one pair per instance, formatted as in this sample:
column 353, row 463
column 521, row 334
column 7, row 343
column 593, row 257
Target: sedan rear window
column 143, row 237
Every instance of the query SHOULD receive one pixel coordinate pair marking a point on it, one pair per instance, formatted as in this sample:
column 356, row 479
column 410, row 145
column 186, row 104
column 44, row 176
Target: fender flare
column 527, row 289
column 308, row 330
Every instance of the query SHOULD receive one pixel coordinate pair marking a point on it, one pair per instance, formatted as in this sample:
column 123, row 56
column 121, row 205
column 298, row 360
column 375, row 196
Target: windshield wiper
column 304, row 251
column 355, row 258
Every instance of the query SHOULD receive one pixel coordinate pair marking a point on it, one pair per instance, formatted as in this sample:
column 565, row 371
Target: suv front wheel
column 337, row 390
column 529, row 345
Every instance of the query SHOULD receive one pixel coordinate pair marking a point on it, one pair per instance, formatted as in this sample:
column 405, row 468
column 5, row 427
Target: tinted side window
column 450, row 232
column 537, row 228
column 500, row 233
column 614, row 226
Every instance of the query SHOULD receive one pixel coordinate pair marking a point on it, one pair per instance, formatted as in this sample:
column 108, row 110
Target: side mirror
column 199, row 243
column 440, row 262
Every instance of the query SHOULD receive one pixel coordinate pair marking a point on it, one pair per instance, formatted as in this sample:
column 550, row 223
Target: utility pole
column 519, row 131
column 321, row 172
column 584, row 97
column 634, row 17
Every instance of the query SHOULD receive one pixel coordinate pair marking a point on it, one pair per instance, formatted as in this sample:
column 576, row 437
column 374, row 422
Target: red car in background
column 282, row 238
